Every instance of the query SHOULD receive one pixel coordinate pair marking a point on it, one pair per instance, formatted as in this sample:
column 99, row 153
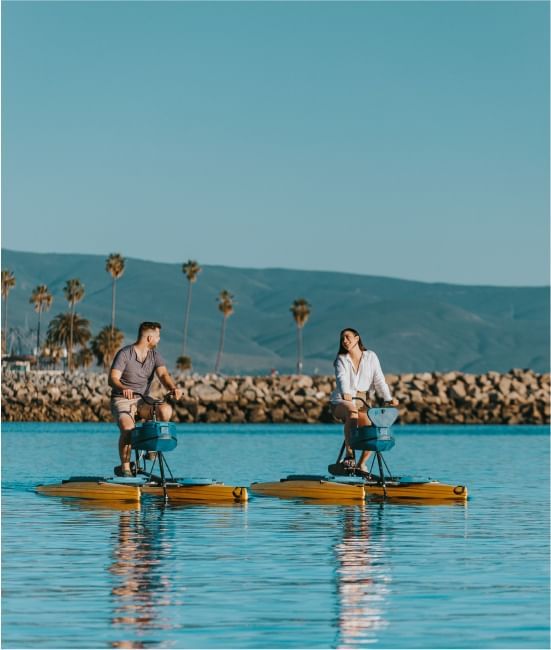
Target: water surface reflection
column 142, row 584
column 149, row 592
column 364, row 559
column 363, row 576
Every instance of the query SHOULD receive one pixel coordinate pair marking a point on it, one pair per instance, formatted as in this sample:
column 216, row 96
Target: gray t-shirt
column 135, row 374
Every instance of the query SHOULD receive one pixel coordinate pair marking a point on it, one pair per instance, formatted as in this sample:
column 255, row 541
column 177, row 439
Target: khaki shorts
column 122, row 406
column 361, row 407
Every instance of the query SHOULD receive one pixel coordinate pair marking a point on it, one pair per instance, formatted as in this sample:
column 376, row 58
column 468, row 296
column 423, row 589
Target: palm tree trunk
column 70, row 351
column 6, row 325
column 299, row 350
column 221, row 346
column 113, row 306
column 186, row 319
column 38, row 332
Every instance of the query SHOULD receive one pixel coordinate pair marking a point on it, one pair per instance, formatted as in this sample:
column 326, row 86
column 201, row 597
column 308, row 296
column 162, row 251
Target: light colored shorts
column 359, row 405
column 121, row 405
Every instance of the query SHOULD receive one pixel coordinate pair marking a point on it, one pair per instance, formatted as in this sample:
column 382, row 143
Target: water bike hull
column 422, row 491
column 133, row 489
column 213, row 492
column 321, row 489
column 99, row 490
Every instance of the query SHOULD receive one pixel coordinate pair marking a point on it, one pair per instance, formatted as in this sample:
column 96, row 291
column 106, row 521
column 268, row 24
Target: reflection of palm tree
column 74, row 292
column 8, row 283
column 301, row 311
column 191, row 269
column 42, row 300
column 114, row 266
column 68, row 329
column 225, row 305
column 105, row 344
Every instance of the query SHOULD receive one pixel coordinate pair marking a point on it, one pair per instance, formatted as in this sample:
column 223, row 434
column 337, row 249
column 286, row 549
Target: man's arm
column 167, row 381
column 115, row 382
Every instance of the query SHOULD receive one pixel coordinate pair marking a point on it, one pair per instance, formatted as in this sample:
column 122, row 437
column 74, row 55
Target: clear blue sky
column 406, row 139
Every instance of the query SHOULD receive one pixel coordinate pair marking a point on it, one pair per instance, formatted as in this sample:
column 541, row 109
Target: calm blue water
column 274, row 573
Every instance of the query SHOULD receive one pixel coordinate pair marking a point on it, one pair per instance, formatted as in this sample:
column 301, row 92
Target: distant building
column 19, row 363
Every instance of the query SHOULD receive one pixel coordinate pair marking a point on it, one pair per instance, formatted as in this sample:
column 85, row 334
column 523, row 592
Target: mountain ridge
column 413, row 325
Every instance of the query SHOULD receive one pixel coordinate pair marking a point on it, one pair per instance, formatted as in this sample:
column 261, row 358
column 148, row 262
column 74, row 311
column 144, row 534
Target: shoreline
column 518, row 397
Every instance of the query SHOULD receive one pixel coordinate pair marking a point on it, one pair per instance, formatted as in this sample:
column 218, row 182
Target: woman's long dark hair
column 342, row 349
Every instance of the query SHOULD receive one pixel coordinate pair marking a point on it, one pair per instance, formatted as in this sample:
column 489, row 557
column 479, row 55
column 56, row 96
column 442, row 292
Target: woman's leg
column 363, row 421
column 348, row 412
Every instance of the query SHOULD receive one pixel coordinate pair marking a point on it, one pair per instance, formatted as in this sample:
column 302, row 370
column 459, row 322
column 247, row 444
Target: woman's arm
column 379, row 381
column 343, row 379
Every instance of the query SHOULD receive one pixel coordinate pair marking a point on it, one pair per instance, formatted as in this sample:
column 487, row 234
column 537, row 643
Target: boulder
column 504, row 385
column 457, row 391
column 206, row 393
column 518, row 396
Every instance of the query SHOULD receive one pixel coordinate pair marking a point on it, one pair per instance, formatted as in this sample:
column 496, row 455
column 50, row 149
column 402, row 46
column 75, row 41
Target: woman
column 357, row 370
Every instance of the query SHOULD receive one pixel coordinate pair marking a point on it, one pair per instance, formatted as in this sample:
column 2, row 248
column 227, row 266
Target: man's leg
column 124, row 412
column 164, row 412
column 126, row 425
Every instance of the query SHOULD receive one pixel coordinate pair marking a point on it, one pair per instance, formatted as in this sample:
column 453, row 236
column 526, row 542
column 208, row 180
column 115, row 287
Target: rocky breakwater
column 516, row 397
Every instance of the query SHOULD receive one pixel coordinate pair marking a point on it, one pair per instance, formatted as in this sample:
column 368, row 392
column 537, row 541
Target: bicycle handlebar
column 152, row 401
column 387, row 404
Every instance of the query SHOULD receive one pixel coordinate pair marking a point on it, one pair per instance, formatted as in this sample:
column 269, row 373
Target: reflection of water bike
column 348, row 482
column 150, row 438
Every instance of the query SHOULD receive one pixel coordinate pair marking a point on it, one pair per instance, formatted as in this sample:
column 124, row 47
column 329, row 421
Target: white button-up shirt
column 369, row 375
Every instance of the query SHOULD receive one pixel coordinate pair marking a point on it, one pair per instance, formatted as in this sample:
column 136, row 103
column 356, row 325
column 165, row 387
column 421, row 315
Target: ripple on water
column 274, row 573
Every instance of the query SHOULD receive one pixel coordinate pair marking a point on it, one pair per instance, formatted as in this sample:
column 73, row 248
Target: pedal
column 117, row 470
column 339, row 469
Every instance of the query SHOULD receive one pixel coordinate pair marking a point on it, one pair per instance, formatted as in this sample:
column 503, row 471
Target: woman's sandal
column 349, row 463
column 364, row 474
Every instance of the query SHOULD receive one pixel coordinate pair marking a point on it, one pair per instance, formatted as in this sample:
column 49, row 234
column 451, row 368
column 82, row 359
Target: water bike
column 347, row 482
column 150, row 440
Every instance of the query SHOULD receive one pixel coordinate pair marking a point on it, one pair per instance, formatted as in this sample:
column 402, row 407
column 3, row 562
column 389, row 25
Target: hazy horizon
column 413, row 326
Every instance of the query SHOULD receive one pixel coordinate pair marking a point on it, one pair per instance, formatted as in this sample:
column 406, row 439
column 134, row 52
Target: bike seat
column 377, row 437
column 154, row 436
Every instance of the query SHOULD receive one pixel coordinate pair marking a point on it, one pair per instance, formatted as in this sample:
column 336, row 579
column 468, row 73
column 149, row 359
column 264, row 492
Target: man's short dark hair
column 147, row 325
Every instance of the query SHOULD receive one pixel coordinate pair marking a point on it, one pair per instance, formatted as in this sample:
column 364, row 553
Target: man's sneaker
column 118, row 470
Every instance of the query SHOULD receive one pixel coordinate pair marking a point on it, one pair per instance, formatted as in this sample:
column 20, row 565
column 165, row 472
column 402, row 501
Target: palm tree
column 225, row 305
column 67, row 329
column 8, row 283
column 51, row 352
column 42, row 300
column 105, row 345
column 84, row 358
column 183, row 363
column 192, row 269
column 114, row 266
column 301, row 311
column 74, row 292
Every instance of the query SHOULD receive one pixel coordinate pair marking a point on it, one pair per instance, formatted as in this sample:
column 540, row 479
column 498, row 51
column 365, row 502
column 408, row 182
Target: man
column 132, row 371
